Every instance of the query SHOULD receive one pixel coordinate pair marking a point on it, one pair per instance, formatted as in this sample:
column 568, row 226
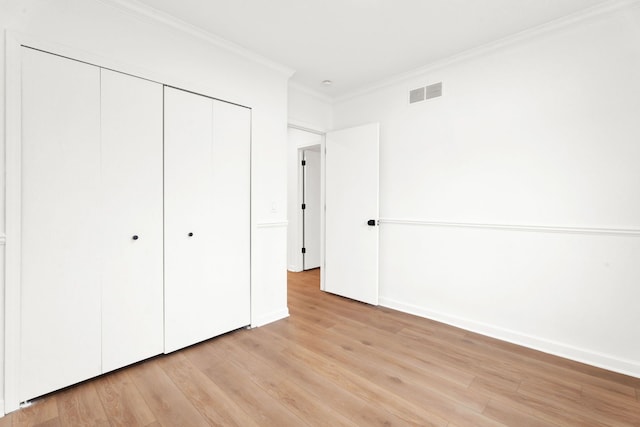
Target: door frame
column 301, row 198
column 299, row 240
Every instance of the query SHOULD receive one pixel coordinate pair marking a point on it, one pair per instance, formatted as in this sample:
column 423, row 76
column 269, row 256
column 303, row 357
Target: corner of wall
column 309, row 110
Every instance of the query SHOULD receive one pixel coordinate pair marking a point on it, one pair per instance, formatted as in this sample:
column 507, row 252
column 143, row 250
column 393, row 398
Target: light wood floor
column 338, row 362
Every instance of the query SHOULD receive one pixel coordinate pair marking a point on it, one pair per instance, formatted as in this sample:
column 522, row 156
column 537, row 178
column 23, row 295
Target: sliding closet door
column 206, row 219
column 132, row 287
column 61, row 223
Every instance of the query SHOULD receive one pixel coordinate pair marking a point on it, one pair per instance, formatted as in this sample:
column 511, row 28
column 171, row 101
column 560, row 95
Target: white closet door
column 231, row 217
column 206, row 218
column 132, row 287
column 61, row 223
column 189, row 285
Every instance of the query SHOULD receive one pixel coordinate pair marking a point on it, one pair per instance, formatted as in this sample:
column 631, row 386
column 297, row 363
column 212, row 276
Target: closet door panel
column 207, row 193
column 132, row 281
column 189, row 207
column 231, row 216
column 61, row 223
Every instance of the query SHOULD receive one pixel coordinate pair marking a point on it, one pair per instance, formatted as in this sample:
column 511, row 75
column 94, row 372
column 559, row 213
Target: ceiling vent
column 423, row 93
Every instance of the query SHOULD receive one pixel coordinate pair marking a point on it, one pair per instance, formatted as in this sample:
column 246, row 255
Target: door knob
column 135, row 237
column 371, row 222
column 190, row 234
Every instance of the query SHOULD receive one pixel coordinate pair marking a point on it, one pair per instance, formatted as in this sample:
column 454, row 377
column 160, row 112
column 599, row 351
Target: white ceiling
column 356, row 43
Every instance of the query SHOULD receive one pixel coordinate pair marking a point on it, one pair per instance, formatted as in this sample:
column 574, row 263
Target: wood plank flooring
column 337, row 362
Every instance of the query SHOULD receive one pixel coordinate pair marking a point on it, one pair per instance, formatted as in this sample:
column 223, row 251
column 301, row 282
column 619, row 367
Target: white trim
column 2, row 414
column 13, row 165
column 272, row 224
column 270, row 318
column 299, row 217
column 323, row 209
column 117, row 65
column 512, row 227
column 557, row 24
column 139, row 10
column 604, row 361
column 295, row 124
column 311, row 92
column 49, row 46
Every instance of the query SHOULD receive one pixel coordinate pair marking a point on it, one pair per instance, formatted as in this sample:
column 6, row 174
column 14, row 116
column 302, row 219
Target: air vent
column 433, row 91
column 423, row 93
column 416, row 95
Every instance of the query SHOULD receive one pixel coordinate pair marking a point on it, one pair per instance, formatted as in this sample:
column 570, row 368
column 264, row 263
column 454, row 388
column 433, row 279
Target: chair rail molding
column 272, row 224
column 607, row 231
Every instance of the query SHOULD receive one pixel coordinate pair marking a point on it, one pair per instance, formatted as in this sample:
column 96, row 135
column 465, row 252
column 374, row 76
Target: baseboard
column 269, row 318
column 604, row 361
column 2, row 414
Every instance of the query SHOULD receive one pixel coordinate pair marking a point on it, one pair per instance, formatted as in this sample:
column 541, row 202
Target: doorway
column 347, row 175
column 311, row 199
column 304, row 177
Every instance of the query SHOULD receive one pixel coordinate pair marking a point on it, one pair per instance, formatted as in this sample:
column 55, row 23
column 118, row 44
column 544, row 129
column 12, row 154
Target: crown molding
column 137, row 9
column 311, row 92
column 522, row 36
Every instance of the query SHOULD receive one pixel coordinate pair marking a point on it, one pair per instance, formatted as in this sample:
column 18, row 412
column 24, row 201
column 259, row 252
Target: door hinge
column 304, row 163
column 304, row 206
column 304, row 250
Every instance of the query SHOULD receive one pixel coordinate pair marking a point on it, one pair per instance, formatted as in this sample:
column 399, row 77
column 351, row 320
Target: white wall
column 540, row 133
column 155, row 50
column 309, row 110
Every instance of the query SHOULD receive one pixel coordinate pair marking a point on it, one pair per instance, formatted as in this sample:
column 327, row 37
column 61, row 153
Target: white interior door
column 311, row 213
column 61, row 224
column 351, row 198
column 207, row 224
column 132, row 281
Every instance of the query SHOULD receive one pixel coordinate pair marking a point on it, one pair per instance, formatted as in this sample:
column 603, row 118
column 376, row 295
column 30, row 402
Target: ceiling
column 356, row 43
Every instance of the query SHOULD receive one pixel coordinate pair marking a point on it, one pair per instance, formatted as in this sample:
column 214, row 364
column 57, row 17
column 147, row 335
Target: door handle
column 371, row 223
column 135, row 237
